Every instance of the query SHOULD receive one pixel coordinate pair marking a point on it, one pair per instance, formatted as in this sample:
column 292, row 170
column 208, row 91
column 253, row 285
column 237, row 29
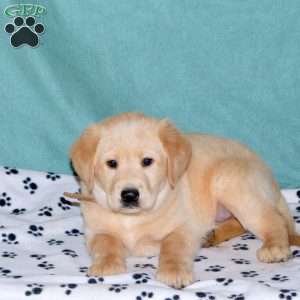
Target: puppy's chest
column 140, row 240
column 141, row 236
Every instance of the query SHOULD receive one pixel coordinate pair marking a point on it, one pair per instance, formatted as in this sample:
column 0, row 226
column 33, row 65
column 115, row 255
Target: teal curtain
column 230, row 68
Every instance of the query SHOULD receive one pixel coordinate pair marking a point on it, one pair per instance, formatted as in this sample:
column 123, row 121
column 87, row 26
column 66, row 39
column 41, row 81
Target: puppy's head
column 129, row 162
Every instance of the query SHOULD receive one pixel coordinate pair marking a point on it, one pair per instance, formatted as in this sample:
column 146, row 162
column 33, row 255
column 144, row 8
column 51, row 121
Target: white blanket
column 43, row 255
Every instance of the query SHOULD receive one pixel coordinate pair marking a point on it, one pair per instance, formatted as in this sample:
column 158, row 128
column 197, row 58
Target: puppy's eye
column 147, row 161
column 112, row 163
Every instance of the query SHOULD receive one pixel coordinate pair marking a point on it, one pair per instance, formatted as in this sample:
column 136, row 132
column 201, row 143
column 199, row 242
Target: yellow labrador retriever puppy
column 157, row 191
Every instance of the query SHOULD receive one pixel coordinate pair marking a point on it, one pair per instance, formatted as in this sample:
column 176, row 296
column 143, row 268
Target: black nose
column 130, row 197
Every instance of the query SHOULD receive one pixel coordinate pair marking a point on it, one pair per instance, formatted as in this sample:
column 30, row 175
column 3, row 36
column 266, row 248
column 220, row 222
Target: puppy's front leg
column 108, row 254
column 176, row 259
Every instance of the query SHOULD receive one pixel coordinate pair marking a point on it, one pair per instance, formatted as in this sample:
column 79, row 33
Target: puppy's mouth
column 130, row 210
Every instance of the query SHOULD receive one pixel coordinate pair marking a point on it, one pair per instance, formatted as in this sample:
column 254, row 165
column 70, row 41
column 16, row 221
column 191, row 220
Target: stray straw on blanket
column 79, row 197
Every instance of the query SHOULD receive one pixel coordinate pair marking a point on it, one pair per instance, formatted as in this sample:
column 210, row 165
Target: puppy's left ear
column 178, row 149
column 83, row 154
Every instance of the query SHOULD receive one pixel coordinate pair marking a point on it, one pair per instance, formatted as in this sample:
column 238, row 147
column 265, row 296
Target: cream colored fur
column 179, row 194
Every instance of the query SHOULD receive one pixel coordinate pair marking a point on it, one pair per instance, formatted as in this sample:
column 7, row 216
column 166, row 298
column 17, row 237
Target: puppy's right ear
column 83, row 154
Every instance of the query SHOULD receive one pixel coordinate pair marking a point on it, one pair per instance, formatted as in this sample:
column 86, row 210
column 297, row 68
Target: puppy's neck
column 164, row 197
column 100, row 196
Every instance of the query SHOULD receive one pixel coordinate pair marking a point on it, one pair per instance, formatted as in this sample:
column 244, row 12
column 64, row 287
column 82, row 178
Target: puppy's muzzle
column 130, row 198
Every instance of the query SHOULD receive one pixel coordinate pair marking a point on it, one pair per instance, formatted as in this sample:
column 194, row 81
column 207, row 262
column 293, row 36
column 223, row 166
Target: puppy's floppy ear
column 178, row 149
column 83, row 154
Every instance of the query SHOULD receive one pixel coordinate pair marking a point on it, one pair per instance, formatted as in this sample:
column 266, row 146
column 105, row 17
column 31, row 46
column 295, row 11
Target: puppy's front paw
column 273, row 254
column 107, row 266
column 175, row 275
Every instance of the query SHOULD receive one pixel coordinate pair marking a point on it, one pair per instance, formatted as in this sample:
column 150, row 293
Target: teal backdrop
column 230, row 68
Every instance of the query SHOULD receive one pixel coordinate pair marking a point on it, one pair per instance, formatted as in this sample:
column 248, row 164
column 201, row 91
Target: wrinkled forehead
column 130, row 138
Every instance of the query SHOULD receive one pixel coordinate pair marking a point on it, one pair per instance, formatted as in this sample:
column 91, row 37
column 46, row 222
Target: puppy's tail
column 294, row 240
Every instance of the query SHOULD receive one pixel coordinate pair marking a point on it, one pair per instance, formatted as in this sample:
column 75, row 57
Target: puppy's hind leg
column 248, row 191
column 294, row 237
column 274, row 234
column 283, row 209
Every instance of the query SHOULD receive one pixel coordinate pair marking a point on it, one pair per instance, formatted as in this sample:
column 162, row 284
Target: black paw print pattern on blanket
column 43, row 253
